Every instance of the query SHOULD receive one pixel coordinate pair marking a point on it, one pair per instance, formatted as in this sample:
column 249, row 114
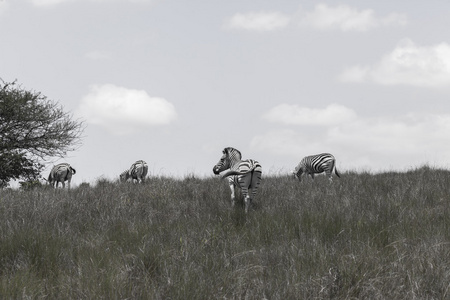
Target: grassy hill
column 366, row 236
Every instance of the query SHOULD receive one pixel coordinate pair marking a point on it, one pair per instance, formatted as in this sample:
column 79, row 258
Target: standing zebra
column 245, row 174
column 137, row 172
column 316, row 164
column 60, row 173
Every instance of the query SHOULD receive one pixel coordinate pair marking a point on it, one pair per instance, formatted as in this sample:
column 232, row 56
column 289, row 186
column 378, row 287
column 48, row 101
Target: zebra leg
column 254, row 184
column 246, row 191
column 233, row 197
column 330, row 177
column 248, row 203
column 247, row 198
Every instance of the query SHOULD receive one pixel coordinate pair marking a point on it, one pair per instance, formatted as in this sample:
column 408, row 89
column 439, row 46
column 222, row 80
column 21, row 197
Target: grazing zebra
column 316, row 164
column 245, row 174
column 60, row 173
column 137, row 172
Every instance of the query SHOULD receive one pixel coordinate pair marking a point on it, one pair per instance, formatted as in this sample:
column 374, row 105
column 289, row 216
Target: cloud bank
column 121, row 110
column 408, row 64
column 4, row 5
column 296, row 115
column 399, row 142
column 347, row 18
column 323, row 17
column 47, row 2
column 43, row 3
column 258, row 21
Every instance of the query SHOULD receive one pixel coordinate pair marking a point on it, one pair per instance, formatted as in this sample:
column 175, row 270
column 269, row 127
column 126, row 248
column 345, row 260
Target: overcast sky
column 174, row 82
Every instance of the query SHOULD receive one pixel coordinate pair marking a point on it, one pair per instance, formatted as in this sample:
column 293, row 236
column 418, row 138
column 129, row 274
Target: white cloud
column 297, row 115
column 347, row 18
column 355, row 74
column 258, row 21
column 322, row 17
column 55, row 2
column 48, row 2
column 4, row 5
column 377, row 143
column 123, row 110
column 284, row 142
column 424, row 66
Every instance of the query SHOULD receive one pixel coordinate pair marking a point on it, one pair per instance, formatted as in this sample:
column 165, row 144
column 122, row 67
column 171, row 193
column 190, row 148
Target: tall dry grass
column 366, row 236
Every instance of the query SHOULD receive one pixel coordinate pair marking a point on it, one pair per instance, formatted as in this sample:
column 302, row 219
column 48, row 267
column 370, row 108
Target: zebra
column 316, row 164
column 60, row 173
column 137, row 172
column 245, row 174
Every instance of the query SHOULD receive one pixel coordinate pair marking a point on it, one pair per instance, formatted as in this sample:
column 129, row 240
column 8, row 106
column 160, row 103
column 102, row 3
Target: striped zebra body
column 245, row 174
column 316, row 164
column 137, row 172
column 61, row 173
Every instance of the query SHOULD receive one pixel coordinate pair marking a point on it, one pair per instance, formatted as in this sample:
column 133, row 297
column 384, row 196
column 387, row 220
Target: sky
column 175, row 82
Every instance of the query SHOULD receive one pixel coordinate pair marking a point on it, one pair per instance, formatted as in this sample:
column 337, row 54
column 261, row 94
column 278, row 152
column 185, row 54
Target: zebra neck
column 234, row 164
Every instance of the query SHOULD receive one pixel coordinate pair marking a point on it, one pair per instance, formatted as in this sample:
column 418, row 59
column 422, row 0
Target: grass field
column 366, row 236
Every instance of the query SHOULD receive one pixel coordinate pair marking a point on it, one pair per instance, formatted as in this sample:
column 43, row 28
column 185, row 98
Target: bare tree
column 32, row 129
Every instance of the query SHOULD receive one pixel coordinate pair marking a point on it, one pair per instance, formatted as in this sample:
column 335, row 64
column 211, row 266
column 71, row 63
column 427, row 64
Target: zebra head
column 229, row 157
column 124, row 176
column 50, row 178
column 223, row 164
column 297, row 172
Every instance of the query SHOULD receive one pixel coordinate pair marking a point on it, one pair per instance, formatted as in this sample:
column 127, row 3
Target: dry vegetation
column 366, row 236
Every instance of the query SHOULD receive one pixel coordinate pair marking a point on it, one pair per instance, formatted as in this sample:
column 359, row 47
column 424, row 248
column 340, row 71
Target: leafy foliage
column 16, row 165
column 32, row 128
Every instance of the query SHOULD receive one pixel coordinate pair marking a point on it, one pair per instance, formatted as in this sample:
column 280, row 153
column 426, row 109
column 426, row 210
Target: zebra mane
column 229, row 149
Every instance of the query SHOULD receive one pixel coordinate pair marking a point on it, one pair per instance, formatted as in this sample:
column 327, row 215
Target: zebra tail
column 336, row 172
column 74, row 171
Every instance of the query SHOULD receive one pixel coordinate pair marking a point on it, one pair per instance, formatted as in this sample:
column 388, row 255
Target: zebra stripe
column 61, row 173
column 137, row 172
column 245, row 174
column 316, row 164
